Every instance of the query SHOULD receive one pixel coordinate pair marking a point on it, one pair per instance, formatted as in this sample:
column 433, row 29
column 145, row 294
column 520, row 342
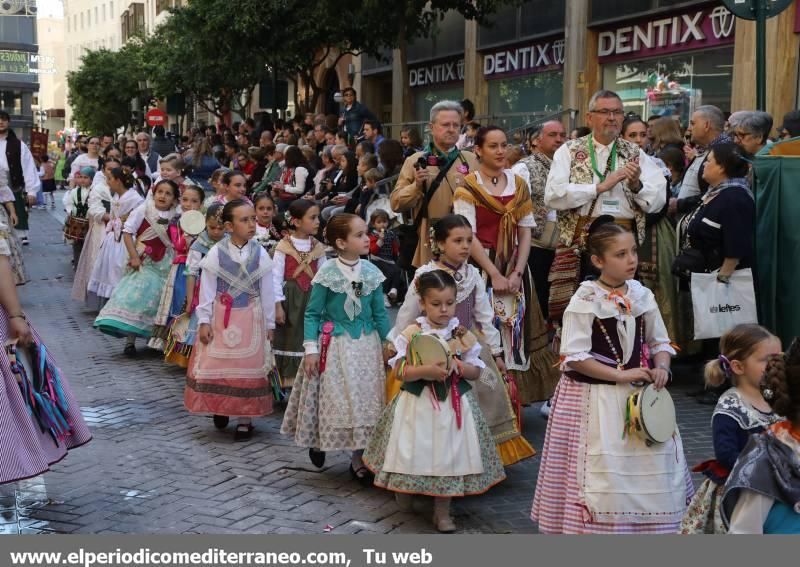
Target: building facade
column 50, row 107
column 19, row 63
column 664, row 57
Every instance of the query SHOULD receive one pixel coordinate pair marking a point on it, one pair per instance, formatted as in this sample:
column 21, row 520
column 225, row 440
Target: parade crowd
column 263, row 258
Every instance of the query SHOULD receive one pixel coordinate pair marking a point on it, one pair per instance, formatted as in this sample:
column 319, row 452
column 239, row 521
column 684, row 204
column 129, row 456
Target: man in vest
column 17, row 169
column 547, row 139
column 428, row 179
column 598, row 174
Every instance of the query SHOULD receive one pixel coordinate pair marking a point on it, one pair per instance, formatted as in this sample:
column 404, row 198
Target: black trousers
column 393, row 274
column 539, row 261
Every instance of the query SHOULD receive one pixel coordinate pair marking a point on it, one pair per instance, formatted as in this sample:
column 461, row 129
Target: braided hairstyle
column 435, row 279
column 737, row 344
column 781, row 383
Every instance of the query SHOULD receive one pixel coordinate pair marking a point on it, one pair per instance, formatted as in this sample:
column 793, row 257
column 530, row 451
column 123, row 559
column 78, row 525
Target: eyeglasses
column 608, row 113
column 740, row 135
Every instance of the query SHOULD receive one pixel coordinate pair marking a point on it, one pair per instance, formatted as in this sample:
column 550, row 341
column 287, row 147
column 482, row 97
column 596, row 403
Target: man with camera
column 428, row 179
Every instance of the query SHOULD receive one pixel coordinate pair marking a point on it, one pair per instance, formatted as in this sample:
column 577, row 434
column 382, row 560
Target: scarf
column 728, row 183
column 510, row 214
column 156, row 229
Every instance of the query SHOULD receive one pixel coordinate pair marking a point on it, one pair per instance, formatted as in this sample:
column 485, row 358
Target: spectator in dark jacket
column 353, row 114
column 161, row 145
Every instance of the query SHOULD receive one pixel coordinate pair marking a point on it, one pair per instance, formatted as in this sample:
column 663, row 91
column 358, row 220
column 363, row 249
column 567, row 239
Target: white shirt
column 208, row 288
column 136, row 218
column 279, row 265
column 466, row 209
column 562, row 195
column 300, row 177
column 521, row 170
column 83, row 160
column 28, row 168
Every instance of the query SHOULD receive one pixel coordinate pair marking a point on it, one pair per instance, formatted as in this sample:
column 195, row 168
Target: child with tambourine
column 181, row 339
column 741, row 412
column 173, row 296
column 613, row 337
column 449, row 450
column 338, row 394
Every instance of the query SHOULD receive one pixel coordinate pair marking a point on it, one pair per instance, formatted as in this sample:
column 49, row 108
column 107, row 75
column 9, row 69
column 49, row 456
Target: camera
column 422, row 163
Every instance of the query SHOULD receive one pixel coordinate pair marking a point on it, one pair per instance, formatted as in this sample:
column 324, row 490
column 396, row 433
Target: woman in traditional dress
column 33, row 436
column 658, row 250
column 131, row 311
column 595, row 478
column 499, row 208
column 451, row 244
column 98, row 215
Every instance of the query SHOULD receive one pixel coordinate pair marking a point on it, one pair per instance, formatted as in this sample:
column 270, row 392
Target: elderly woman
column 750, row 130
column 720, row 231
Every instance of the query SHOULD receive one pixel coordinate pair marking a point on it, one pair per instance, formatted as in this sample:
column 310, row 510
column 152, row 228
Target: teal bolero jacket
column 334, row 299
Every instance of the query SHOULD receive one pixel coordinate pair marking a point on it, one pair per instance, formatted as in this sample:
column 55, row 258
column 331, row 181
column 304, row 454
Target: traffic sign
column 748, row 9
column 156, row 117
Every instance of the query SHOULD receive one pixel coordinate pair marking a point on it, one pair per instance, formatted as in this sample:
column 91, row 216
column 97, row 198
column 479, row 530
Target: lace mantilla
column 464, row 287
column 331, row 276
column 734, row 406
column 591, row 298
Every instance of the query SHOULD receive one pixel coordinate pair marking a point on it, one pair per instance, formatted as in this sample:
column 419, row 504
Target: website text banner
column 390, row 551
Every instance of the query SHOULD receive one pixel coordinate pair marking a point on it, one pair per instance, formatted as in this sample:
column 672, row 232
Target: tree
column 100, row 91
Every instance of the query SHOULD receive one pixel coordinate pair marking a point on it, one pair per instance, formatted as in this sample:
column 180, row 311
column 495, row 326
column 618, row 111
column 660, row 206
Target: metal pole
column 761, row 54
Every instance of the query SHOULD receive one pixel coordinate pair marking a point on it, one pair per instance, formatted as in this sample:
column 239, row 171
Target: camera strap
column 433, row 187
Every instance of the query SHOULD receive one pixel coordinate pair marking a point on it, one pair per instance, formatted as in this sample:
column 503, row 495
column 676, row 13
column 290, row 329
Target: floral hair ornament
column 434, row 246
column 725, row 364
column 287, row 217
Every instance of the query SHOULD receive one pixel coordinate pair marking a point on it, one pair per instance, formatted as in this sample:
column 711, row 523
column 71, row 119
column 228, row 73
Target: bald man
column 547, row 139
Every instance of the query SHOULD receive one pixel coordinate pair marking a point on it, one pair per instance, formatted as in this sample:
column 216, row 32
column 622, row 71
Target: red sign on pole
column 156, row 117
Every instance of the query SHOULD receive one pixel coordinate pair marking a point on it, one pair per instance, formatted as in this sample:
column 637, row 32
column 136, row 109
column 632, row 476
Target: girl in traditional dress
column 741, row 412
column 8, row 217
column 339, row 392
column 762, row 494
column 112, row 257
column 99, row 214
column 451, row 244
column 227, row 374
column 268, row 234
column 235, row 185
column 426, row 442
column 498, row 206
column 297, row 260
column 131, row 310
column 216, row 183
column 33, row 436
column 179, row 350
column 613, row 336
column 173, row 296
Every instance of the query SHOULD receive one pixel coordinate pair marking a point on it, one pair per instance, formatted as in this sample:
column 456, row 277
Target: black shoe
column 221, row 421
column 130, row 350
column 709, row 398
column 243, row 432
column 317, row 457
column 363, row 475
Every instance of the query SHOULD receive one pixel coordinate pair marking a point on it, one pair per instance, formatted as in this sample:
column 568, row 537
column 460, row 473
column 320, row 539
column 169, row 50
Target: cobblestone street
column 154, row 468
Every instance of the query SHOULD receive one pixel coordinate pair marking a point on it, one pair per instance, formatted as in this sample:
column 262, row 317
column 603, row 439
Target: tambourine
column 193, row 222
column 650, row 415
column 430, row 349
column 509, row 308
column 179, row 329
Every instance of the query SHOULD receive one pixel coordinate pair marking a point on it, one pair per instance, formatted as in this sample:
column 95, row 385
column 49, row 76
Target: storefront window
column 605, row 10
column 540, row 92
column 675, row 85
column 426, row 97
column 11, row 101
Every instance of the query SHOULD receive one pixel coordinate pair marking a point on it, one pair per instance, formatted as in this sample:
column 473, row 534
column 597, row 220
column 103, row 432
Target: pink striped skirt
column 25, row 450
column 557, row 504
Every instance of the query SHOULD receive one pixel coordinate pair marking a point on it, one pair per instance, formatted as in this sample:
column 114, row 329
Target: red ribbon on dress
column 455, row 397
column 226, row 299
column 325, row 341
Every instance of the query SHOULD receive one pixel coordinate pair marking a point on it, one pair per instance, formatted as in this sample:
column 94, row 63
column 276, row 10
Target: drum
column 650, row 415
column 193, row 222
column 75, row 228
column 428, row 349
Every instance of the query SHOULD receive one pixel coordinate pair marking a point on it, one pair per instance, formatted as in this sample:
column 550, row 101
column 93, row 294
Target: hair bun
column 598, row 222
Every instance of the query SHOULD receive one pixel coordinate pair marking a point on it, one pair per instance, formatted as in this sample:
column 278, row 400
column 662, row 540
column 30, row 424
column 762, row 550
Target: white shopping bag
column 719, row 307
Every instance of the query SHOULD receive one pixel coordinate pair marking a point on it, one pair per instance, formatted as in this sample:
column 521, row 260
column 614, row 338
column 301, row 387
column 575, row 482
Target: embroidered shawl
column 511, row 213
column 243, row 281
